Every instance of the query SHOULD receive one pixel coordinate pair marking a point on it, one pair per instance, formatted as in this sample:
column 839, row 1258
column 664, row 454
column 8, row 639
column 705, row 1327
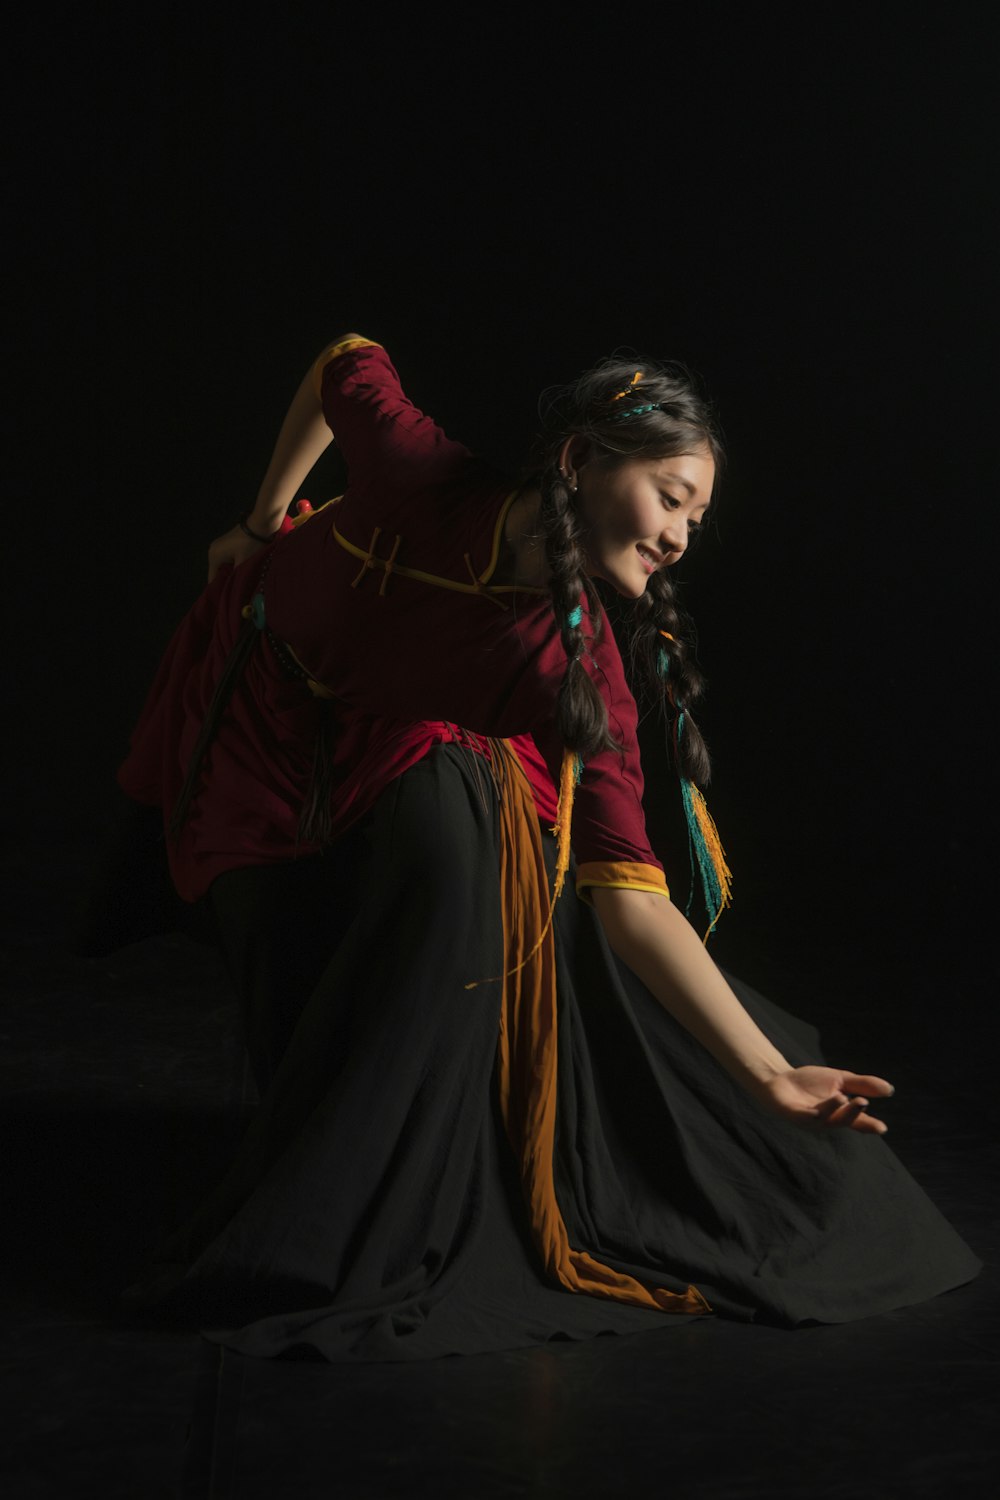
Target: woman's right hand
column 828, row 1097
column 233, row 547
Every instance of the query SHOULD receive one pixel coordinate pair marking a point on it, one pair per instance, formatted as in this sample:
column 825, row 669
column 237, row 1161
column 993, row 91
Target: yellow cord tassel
column 569, row 775
column 716, row 875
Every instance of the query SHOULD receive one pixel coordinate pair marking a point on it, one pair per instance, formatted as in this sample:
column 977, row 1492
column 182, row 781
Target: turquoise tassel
column 700, row 857
column 709, row 867
column 697, row 853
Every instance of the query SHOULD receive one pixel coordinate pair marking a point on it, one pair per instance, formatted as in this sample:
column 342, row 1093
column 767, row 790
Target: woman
column 490, row 1115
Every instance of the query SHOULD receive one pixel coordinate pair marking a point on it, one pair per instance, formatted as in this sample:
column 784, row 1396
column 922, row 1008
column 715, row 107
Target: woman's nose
column 674, row 536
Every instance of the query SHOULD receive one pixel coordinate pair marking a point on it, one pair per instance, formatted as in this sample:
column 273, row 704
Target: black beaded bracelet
column 252, row 534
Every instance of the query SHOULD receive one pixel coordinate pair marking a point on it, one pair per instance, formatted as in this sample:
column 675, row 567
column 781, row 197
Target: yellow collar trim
column 498, row 539
column 479, row 587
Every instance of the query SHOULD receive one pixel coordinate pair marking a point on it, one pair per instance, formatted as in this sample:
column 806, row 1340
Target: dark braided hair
column 582, row 715
column 662, row 416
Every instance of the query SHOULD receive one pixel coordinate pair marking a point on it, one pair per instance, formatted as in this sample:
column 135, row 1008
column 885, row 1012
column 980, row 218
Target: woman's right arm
column 303, row 438
column 661, row 947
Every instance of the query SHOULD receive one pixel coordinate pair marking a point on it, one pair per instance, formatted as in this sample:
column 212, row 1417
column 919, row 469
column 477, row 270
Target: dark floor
column 126, row 1089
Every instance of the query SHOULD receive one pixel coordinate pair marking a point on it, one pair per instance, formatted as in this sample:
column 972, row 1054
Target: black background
column 798, row 205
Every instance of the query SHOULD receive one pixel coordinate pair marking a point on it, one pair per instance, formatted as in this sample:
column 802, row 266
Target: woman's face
column 638, row 516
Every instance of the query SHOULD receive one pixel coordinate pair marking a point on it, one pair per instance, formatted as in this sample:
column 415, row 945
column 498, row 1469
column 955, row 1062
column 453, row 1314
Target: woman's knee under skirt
column 374, row 1210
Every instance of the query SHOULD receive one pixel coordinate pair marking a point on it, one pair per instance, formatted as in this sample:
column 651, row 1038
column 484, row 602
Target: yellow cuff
column 342, row 346
column 619, row 875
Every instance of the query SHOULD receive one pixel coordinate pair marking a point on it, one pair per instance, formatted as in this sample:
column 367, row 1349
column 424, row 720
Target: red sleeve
column 609, row 824
column 380, row 432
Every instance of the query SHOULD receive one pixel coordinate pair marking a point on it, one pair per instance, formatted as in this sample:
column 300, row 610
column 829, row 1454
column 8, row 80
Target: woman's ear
column 573, row 455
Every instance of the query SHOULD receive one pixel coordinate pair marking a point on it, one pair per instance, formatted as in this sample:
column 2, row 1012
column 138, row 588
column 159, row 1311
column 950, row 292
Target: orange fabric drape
column 528, row 1052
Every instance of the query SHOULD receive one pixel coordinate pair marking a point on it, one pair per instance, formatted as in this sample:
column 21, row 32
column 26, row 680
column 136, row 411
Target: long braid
column 661, row 649
column 581, row 711
column 661, row 643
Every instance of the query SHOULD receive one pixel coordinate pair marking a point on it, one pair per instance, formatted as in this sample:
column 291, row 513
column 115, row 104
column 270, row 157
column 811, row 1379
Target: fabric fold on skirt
column 376, row 1210
column 528, row 1063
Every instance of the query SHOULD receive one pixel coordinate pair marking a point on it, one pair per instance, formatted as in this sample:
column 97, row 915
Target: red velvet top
column 386, row 598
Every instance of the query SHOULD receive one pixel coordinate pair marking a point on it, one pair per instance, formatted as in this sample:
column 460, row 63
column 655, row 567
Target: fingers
column 850, row 1114
column 841, row 1111
column 868, row 1125
column 865, row 1083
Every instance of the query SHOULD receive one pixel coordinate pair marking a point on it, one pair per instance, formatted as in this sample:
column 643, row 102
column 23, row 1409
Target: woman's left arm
column 662, row 949
column 303, row 438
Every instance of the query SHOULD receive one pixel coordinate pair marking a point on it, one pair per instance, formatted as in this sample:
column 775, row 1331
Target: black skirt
column 374, row 1210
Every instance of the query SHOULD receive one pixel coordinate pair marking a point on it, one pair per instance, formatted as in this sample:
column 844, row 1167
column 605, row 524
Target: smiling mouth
column 651, row 560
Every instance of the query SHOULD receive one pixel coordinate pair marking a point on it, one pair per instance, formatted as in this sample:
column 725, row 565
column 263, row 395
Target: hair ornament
column 629, row 388
column 635, row 411
column 574, row 618
column 663, row 662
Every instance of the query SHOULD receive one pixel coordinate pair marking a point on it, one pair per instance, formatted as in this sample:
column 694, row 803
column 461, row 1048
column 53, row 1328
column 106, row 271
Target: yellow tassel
column 716, row 854
column 568, row 777
column 563, row 824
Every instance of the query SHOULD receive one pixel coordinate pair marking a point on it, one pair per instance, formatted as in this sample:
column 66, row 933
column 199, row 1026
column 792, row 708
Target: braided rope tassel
column 569, row 777
column 707, row 852
column 569, row 780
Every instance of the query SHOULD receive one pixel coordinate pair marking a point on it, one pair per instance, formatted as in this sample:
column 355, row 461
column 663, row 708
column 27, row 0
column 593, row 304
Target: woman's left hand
column 234, row 547
column 826, row 1097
